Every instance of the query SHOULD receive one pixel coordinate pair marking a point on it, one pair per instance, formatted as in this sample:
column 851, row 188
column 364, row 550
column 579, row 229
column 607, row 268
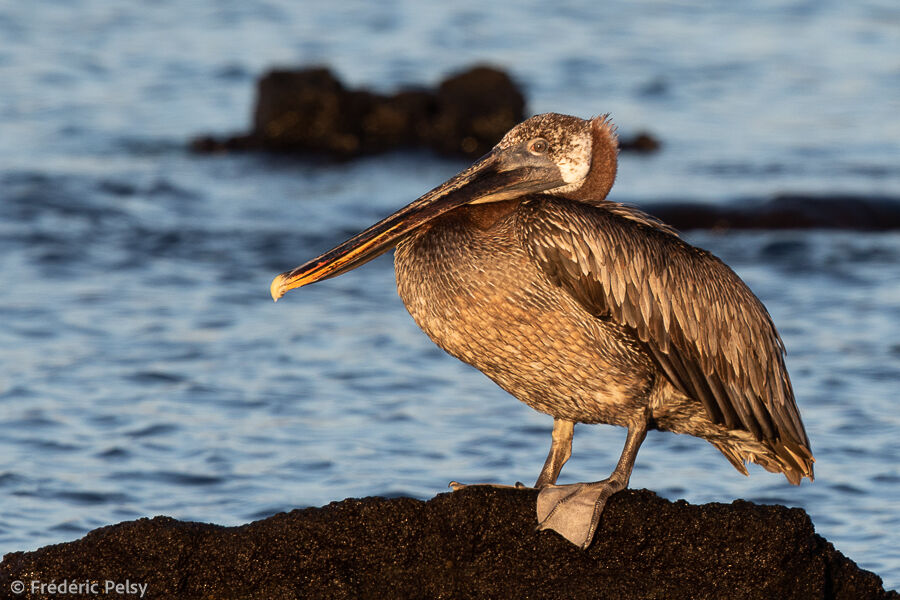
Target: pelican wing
column 702, row 325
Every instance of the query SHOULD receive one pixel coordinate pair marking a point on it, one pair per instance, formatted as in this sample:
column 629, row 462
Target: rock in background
column 311, row 111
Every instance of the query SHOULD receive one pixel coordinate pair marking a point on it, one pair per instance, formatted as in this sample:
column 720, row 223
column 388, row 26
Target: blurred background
column 144, row 369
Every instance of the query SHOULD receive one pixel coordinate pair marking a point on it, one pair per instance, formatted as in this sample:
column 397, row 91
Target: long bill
column 492, row 178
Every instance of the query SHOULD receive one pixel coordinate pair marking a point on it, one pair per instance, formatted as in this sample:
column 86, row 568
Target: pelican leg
column 560, row 451
column 574, row 510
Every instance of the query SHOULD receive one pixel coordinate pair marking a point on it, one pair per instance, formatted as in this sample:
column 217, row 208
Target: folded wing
column 702, row 325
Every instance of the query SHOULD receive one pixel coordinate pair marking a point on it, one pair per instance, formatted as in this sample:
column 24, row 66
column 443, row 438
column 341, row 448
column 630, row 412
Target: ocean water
column 144, row 369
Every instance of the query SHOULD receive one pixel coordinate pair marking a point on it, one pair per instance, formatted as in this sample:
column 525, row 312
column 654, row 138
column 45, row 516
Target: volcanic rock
column 476, row 543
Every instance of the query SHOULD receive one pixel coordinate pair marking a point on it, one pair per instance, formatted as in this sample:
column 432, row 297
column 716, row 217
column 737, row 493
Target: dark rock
column 310, row 111
column 477, row 543
column 785, row 212
column 642, row 142
column 207, row 144
column 475, row 109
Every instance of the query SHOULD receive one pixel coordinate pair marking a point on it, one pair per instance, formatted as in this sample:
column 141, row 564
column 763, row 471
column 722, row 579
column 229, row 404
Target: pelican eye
column 539, row 146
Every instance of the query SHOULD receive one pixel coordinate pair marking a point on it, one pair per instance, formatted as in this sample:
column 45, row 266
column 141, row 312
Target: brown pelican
column 585, row 309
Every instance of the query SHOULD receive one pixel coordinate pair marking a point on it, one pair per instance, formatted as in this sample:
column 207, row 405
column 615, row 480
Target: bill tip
column 277, row 288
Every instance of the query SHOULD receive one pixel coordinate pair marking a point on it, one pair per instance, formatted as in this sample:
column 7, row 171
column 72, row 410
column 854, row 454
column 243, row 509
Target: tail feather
column 776, row 456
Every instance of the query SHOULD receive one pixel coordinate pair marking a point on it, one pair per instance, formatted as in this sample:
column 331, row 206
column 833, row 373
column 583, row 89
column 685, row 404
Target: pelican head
column 548, row 153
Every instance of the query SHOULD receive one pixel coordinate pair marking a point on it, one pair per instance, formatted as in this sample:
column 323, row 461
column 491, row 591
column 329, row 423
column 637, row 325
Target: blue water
column 144, row 369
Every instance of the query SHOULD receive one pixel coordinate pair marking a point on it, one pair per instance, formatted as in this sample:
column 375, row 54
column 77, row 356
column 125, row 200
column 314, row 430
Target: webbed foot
column 573, row 510
column 458, row 486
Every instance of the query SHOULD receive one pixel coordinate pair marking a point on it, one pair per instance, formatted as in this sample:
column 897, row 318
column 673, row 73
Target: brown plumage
column 586, row 309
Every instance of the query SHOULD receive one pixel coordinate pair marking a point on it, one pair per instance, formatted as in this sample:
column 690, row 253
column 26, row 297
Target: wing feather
column 709, row 334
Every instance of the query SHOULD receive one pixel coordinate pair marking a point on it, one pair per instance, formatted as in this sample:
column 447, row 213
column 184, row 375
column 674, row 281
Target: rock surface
column 788, row 211
column 310, row 111
column 476, row 543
